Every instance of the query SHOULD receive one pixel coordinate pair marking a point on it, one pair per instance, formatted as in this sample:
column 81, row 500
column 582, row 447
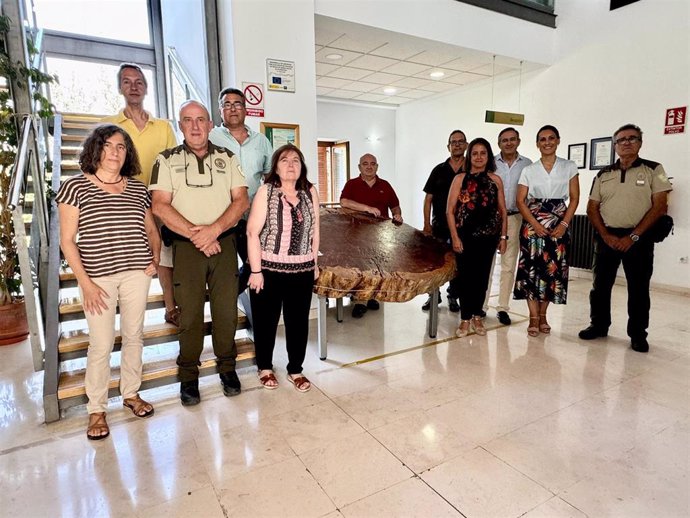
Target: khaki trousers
column 508, row 265
column 130, row 289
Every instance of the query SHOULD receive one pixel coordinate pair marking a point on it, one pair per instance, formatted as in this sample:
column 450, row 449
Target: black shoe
column 453, row 305
column 504, row 318
column 189, row 393
column 373, row 304
column 231, row 383
column 482, row 314
column 591, row 332
column 359, row 310
column 640, row 345
column 427, row 305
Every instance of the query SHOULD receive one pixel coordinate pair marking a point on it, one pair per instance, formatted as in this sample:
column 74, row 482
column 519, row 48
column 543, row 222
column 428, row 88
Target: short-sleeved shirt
column 156, row 136
column 111, row 234
column 438, row 185
column 545, row 185
column 625, row 196
column 254, row 154
column 510, row 175
column 380, row 195
column 200, row 187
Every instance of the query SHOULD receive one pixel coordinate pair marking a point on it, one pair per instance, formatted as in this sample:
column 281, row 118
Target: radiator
column 581, row 242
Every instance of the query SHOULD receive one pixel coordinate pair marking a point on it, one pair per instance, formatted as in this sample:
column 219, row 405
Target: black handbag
column 661, row 229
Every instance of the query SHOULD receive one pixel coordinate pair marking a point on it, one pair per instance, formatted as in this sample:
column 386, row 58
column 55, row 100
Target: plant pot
column 14, row 326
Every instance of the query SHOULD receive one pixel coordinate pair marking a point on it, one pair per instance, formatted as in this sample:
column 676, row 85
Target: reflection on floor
column 496, row 426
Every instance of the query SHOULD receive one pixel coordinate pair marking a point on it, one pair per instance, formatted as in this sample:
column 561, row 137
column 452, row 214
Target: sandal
column 478, row 325
column 97, row 426
column 173, row 316
column 533, row 330
column 545, row 327
column 138, row 406
column 463, row 329
column 268, row 378
column 301, row 383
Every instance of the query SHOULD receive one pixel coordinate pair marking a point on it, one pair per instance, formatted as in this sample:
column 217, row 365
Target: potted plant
column 13, row 322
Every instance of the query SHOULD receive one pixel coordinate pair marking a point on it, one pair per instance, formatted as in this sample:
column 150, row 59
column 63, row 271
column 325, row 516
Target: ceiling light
column 389, row 90
column 334, row 57
column 437, row 74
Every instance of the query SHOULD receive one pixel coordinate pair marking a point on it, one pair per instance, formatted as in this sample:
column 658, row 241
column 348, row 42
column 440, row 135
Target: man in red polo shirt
column 369, row 193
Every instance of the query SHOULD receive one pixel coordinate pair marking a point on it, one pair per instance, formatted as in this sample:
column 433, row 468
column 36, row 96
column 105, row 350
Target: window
column 334, row 170
column 537, row 11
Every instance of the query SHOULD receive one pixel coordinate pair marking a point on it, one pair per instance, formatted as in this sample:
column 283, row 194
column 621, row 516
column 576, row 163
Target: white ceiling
column 372, row 59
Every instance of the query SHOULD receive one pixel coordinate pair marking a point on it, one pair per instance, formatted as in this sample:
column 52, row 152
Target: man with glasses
column 435, row 201
column 509, row 166
column 625, row 201
column 200, row 194
column 150, row 136
column 254, row 152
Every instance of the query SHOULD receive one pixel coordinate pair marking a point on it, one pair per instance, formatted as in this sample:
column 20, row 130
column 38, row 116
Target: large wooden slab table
column 373, row 258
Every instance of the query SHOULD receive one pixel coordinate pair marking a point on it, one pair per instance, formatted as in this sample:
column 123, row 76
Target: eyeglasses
column 457, row 142
column 199, row 174
column 229, row 105
column 630, row 140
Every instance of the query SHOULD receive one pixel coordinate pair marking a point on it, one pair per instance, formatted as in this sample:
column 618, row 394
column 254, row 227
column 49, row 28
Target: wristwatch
column 505, row 238
column 635, row 238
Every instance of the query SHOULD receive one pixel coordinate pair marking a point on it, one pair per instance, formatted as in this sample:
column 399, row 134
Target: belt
column 513, row 212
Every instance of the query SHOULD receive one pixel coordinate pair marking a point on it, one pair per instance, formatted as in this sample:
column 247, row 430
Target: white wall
column 628, row 65
column 254, row 30
column 341, row 121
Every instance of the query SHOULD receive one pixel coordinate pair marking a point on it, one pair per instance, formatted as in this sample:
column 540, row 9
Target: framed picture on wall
column 601, row 152
column 280, row 134
column 578, row 154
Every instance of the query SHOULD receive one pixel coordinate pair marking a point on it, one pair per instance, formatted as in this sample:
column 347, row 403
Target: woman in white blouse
column 547, row 197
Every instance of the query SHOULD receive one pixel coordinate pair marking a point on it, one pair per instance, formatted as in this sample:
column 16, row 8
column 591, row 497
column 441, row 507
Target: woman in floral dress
column 547, row 197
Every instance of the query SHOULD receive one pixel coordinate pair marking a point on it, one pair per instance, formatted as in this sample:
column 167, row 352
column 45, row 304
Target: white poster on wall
column 280, row 75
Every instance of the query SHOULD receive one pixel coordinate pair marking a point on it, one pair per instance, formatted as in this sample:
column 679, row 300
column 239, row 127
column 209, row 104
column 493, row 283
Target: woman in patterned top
column 283, row 244
column 477, row 220
column 110, row 240
column 547, row 197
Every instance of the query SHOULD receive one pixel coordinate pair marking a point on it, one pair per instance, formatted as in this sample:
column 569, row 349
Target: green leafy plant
column 21, row 75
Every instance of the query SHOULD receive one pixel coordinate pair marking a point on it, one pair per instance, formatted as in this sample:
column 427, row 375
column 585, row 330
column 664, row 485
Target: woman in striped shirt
column 110, row 240
column 283, row 244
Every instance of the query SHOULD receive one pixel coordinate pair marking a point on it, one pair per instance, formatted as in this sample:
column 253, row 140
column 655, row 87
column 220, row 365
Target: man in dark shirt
column 436, row 189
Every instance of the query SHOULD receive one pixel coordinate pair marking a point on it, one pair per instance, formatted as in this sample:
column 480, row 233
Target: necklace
column 109, row 183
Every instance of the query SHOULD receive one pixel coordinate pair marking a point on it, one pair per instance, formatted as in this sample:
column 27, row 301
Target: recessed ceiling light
column 334, row 57
column 389, row 90
column 437, row 74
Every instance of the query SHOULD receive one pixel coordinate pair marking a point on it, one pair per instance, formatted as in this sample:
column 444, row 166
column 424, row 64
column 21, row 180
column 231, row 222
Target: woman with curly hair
column 477, row 220
column 547, row 197
column 110, row 240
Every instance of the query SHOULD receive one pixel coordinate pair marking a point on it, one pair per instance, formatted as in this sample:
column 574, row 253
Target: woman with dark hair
column 283, row 244
column 547, row 197
column 110, row 240
column 477, row 221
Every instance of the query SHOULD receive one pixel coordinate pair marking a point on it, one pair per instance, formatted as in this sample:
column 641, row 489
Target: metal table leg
column 433, row 314
column 321, row 322
column 339, row 309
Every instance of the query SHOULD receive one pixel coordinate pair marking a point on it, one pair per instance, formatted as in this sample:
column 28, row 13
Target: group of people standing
column 187, row 211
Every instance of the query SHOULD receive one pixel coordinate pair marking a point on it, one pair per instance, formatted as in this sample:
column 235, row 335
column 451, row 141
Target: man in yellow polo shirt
column 150, row 136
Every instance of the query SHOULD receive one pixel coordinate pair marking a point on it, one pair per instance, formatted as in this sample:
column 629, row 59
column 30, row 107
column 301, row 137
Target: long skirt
column 542, row 272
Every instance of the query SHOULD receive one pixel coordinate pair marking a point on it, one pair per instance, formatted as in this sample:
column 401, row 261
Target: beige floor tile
column 411, row 498
column 555, row 508
column 282, row 489
column 353, row 468
column 377, row 406
column 421, row 441
column 480, row 485
column 202, row 502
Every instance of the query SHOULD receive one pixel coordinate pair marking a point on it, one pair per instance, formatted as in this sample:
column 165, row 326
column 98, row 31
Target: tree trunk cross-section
column 372, row 258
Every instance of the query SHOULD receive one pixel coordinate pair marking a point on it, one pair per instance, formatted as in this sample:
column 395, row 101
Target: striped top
column 286, row 239
column 111, row 235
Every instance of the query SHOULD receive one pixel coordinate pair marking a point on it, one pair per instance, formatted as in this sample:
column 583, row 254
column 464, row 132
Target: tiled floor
column 495, row 426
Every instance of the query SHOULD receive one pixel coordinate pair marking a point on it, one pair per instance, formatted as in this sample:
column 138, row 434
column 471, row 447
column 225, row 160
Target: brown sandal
column 97, row 425
column 533, row 330
column 301, row 383
column 266, row 378
column 138, row 406
column 545, row 327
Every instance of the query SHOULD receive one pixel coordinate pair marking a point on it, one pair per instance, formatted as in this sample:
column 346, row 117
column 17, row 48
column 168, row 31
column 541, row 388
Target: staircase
column 67, row 335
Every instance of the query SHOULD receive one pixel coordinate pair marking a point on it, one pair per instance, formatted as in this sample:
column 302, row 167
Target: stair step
column 70, row 165
column 73, row 138
column 73, row 344
column 163, row 372
column 82, row 117
column 82, row 126
column 70, row 308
